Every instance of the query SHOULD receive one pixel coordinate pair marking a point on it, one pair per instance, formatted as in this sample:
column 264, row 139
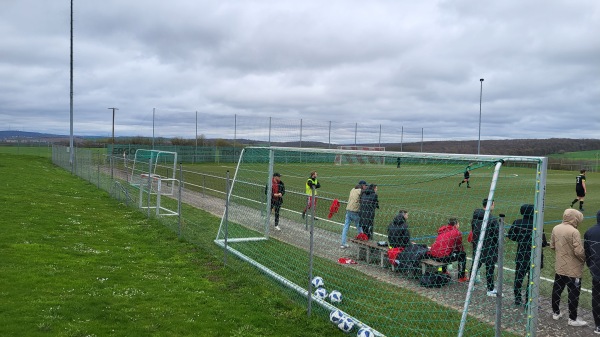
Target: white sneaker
column 577, row 322
column 493, row 293
column 558, row 316
column 277, row 228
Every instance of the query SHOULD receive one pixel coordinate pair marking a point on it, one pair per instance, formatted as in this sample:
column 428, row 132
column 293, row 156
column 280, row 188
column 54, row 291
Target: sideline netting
column 392, row 301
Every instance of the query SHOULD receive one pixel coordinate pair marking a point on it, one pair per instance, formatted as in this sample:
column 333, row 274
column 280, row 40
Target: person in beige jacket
column 568, row 266
column 352, row 211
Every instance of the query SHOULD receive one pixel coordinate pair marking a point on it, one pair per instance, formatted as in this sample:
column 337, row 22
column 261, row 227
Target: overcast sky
column 383, row 64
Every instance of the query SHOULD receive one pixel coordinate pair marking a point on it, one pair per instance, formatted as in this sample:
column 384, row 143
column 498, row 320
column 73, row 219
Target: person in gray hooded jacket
column 568, row 264
column 591, row 245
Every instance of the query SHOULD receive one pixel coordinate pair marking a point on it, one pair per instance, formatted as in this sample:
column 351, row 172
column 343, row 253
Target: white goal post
column 154, row 173
column 426, row 186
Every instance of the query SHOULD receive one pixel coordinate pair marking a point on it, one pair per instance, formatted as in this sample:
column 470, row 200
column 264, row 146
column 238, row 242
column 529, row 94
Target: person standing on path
column 369, row 201
column 352, row 209
column 568, row 264
column 310, row 183
column 522, row 232
column 489, row 249
column 277, row 192
column 591, row 246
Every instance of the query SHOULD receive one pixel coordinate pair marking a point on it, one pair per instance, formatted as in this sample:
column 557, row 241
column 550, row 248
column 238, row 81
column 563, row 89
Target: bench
column 429, row 264
column 367, row 248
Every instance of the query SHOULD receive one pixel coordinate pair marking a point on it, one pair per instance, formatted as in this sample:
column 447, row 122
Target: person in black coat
column 398, row 233
column 489, row 249
column 591, row 246
column 521, row 232
column 368, row 203
column 277, row 192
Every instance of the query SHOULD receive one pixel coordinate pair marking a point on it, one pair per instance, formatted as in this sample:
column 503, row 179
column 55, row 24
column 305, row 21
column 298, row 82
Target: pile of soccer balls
column 320, row 291
column 337, row 317
column 346, row 324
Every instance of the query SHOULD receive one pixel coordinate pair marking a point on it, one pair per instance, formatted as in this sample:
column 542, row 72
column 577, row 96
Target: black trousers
column 489, row 260
column 573, row 287
column 521, row 270
column 596, row 301
column 276, row 206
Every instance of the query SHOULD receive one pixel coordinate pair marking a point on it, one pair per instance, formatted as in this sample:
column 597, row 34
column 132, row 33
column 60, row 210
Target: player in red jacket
column 448, row 248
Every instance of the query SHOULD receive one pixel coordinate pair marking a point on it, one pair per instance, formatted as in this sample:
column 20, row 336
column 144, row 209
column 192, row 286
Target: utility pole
column 113, row 127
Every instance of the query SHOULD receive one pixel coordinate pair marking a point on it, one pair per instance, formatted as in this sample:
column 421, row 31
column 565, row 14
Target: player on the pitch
column 467, row 174
column 580, row 189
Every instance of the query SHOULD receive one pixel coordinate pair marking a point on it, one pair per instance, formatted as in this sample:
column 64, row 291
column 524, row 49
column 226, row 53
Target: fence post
column 227, row 193
column 179, row 200
column 310, row 251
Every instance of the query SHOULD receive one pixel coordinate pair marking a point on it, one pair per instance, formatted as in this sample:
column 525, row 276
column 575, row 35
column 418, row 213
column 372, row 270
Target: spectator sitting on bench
column 398, row 235
column 448, row 248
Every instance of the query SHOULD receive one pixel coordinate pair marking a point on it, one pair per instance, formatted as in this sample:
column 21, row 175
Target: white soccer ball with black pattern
column 336, row 316
column 365, row 332
column 346, row 324
column 317, row 282
column 335, row 296
column 321, row 293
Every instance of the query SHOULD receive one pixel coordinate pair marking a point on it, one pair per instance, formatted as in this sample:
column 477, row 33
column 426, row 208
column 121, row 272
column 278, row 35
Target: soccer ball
column 336, row 316
column 346, row 324
column 321, row 293
column 317, row 282
column 335, row 296
column 365, row 332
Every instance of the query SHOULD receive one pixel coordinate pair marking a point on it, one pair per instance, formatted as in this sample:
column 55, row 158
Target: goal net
column 386, row 294
column 359, row 158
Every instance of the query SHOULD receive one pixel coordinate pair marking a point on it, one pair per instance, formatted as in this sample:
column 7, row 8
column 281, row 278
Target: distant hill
column 515, row 147
column 5, row 135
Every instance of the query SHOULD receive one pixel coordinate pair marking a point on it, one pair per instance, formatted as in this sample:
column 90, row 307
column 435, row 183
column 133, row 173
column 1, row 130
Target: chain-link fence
column 371, row 288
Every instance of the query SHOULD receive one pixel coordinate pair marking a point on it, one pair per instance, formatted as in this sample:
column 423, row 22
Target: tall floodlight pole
column 71, row 156
column 480, row 96
column 196, row 148
column 401, row 137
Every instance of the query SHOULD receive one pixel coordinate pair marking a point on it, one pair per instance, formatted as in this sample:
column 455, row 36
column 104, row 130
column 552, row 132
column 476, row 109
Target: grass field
column 427, row 216
column 77, row 263
column 559, row 194
column 589, row 155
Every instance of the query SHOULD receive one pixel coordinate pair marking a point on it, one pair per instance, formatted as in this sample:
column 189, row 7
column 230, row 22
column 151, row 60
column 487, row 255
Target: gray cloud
column 382, row 64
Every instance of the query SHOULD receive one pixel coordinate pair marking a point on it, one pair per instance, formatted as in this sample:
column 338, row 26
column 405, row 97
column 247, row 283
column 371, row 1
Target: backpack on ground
column 409, row 260
column 434, row 280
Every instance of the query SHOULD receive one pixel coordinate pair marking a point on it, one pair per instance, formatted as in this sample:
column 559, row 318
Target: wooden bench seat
column 432, row 265
column 368, row 248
